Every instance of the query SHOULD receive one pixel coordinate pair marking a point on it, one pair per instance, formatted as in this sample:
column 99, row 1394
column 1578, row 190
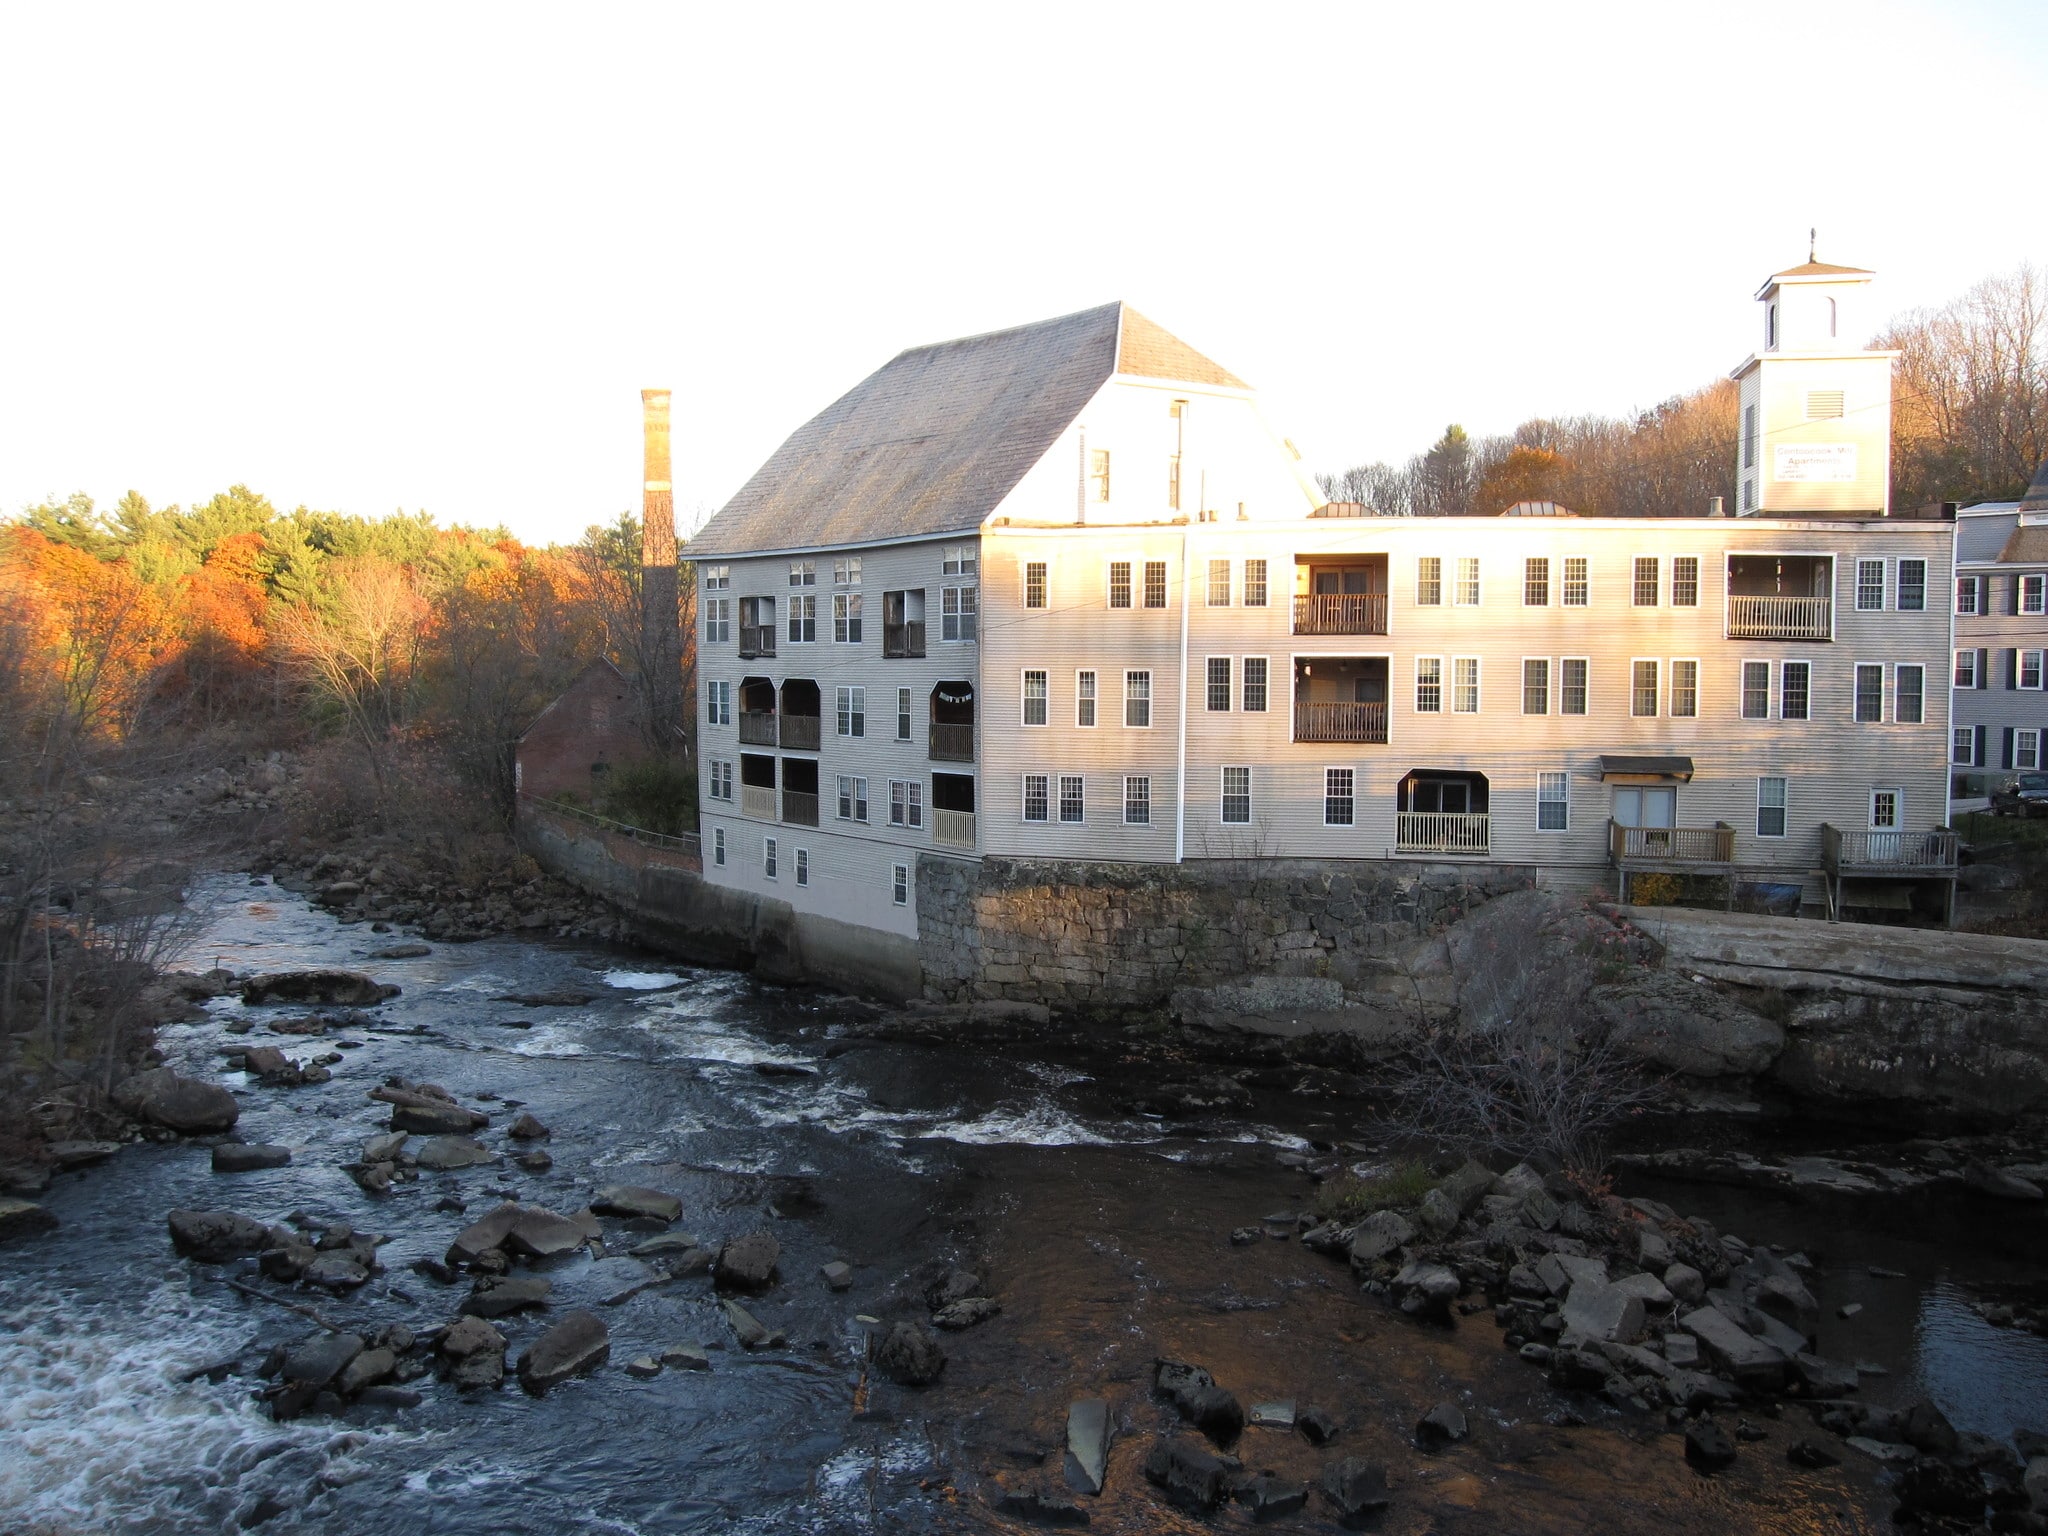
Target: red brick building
column 592, row 729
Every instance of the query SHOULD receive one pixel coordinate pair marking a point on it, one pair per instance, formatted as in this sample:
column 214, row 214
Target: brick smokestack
column 660, row 638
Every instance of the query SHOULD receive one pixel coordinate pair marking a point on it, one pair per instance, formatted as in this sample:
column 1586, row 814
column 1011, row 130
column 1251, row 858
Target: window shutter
column 2007, row 747
column 1983, row 667
column 1977, row 749
column 2012, row 673
column 2016, row 585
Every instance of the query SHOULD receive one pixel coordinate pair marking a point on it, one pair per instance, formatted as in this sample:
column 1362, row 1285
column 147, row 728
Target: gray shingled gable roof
column 930, row 443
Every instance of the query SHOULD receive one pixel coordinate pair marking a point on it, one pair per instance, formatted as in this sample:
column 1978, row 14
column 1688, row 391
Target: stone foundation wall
column 1081, row 934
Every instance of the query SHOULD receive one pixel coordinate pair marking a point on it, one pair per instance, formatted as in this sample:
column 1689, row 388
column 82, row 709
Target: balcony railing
column 799, row 809
column 800, row 732
column 1781, row 618
column 1674, row 845
column 903, row 639
column 1347, row 613
column 757, row 728
column 1888, row 851
column 1340, row 722
column 1442, row 832
column 953, row 829
column 757, row 800
column 951, row 743
column 757, row 640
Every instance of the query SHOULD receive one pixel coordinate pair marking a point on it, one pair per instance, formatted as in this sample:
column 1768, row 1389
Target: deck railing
column 799, row 809
column 800, row 732
column 1347, row 613
column 1888, row 850
column 905, row 639
column 1442, row 832
column 953, row 829
column 951, row 743
column 1340, row 722
column 757, row 640
column 757, row 800
column 1683, row 845
column 1781, row 618
column 757, row 728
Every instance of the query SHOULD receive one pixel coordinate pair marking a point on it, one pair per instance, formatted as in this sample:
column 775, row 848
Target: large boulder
column 910, row 1354
column 321, row 1358
column 635, row 1203
column 347, row 988
column 748, row 1263
column 1088, row 1430
column 23, row 1218
column 1357, row 1489
column 1603, row 1313
column 579, row 1342
column 1188, row 1473
column 235, row 1157
column 1378, row 1236
column 1671, row 1022
column 192, row 1108
column 217, row 1237
column 501, row 1298
column 445, row 1153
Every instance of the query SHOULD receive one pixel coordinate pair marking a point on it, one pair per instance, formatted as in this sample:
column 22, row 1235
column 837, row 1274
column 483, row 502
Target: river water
column 1104, row 1234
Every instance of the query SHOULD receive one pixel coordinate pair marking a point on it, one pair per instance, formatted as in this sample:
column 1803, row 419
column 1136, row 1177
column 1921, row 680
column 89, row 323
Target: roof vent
column 1823, row 404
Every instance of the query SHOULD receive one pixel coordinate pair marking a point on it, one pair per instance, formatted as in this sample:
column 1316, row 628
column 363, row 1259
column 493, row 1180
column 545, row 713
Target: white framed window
column 1218, row 689
column 718, row 780
column 959, row 560
column 1237, row 797
column 803, row 620
column 1770, row 806
column 803, row 866
column 1084, row 698
column 717, row 620
column 1685, row 581
column 1869, row 693
column 1429, row 581
column 1255, row 583
column 2030, row 669
column 1645, row 582
column 714, row 578
column 1536, row 582
column 1467, row 595
column 846, row 571
column 853, row 711
column 899, row 884
column 718, row 846
column 1574, row 674
column 1962, row 746
column 1795, row 690
column 1137, row 800
column 1073, row 807
column 1969, row 594
column 1119, row 584
column 1034, row 697
column 1037, row 805
column 1465, row 685
column 1254, row 674
column 1909, row 693
column 1966, row 669
column 1869, row 586
column 1219, row 583
column 1339, row 806
column 1138, row 700
column 1577, row 588
column 1685, row 689
column 903, row 714
column 1098, row 474
column 1553, row 802
column 1155, row 583
column 1642, row 689
column 906, row 802
column 853, row 798
column 1887, row 806
column 803, row 573
column 959, row 612
column 1911, row 594
column 1535, row 685
column 2026, row 748
column 1034, row 583
column 2033, row 593
column 1429, row 685
column 768, row 857
column 718, row 703
column 846, row 618
column 1756, row 690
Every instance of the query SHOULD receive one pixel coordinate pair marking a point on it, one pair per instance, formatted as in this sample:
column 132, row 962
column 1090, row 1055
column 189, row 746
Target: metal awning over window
column 1645, row 770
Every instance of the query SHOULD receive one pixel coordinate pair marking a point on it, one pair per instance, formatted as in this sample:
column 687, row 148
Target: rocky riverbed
column 560, row 1237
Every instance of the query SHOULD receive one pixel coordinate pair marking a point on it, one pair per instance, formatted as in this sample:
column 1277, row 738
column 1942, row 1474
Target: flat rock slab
column 1652, row 1291
column 579, row 1342
column 538, row 1233
column 501, row 1298
column 1748, row 1359
column 662, row 1245
column 686, row 1357
column 234, row 1157
column 435, row 1119
column 348, row 988
column 967, row 1312
column 633, row 1201
column 322, row 1358
column 215, row 1237
column 182, row 1104
column 401, row 952
column 1560, row 1271
column 23, row 1218
column 1088, row 1442
column 1279, row 1415
column 68, row 1155
column 558, row 999
column 446, row 1153
column 1605, row 1313
column 749, row 1329
column 1379, row 1235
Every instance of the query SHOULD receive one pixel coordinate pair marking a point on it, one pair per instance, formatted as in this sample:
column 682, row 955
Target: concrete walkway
column 1737, row 947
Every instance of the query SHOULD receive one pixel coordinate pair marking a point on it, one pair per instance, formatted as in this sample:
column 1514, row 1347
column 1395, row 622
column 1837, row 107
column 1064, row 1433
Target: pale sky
column 366, row 257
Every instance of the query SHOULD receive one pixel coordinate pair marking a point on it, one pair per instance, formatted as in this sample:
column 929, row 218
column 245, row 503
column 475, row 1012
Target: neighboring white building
column 1060, row 592
column 2000, row 724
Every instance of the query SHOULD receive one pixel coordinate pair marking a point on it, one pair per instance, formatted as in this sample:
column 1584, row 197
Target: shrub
column 658, row 794
column 1352, row 1198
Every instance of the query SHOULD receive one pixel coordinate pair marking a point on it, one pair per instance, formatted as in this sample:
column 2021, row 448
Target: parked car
column 2024, row 794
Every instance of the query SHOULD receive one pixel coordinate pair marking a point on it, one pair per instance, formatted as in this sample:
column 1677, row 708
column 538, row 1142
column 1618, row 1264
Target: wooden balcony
column 757, row 640
column 903, row 639
column 758, row 801
column 1673, row 849
column 757, row 728
column 1902, row 854
column 800, row 733
column 1781, row 618
column 1340, row 722
column 951, row 743
column 953, row 829
column 1464, row 832
column 799, row 809
column 1349, row 613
